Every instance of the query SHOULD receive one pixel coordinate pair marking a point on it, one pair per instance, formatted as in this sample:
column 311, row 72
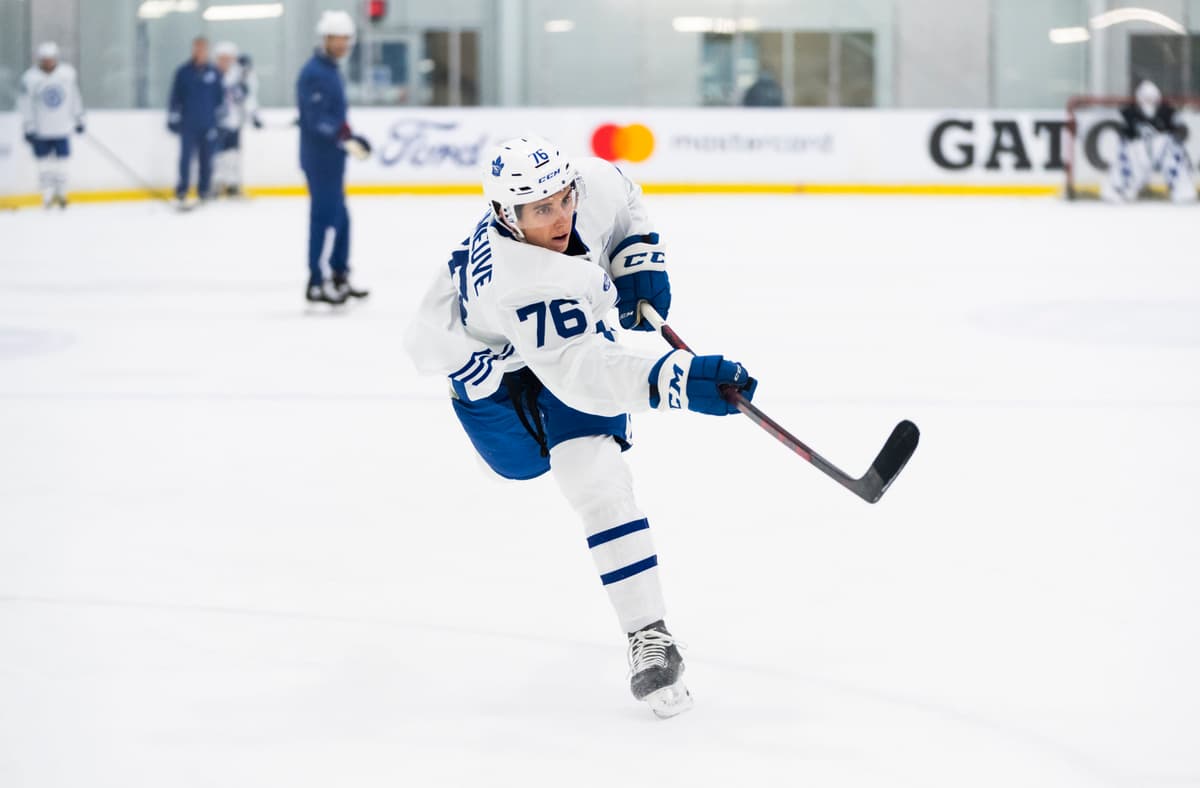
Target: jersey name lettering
column 481, row 256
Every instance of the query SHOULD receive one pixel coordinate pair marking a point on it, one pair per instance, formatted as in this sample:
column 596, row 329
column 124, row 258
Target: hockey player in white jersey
column 1151, row 142
column 51, row 108
column 239, row 107
column 519, row 320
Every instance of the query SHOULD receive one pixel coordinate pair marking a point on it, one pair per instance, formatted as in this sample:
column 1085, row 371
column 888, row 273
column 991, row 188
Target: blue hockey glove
column 651, row 286
column 174, row 122
column 680, row 380
column 639, row 270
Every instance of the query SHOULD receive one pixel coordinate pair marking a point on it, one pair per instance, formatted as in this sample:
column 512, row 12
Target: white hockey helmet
column 524, row 170
column 47, row 50
column 335, row 23
column 1148, row 97
column 225, row 49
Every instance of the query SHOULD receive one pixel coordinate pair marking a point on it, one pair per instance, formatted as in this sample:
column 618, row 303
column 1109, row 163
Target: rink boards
column 716, row 150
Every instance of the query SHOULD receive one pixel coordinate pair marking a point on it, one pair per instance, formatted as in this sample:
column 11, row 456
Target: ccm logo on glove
column 637, row 258
column 696, row 382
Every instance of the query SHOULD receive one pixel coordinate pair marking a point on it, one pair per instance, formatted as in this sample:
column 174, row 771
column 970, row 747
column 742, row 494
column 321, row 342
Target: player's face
column 200, row 51
column 547, row 223
column 224, row 62
column 337, row 46
column 47, row 64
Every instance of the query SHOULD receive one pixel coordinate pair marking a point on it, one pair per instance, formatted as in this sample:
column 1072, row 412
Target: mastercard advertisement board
column 689, row 150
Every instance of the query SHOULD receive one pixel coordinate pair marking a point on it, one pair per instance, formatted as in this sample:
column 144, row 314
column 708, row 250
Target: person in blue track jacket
column 325, row 139
column 196, row 94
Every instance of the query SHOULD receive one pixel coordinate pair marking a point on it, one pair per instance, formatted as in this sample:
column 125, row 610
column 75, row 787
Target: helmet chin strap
column 508, row 218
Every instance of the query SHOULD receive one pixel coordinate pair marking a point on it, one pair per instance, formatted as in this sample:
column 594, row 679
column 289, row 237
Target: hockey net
column 1092, row 140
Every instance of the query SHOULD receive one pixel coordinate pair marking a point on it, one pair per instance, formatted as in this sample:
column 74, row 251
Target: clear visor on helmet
column 549, row 210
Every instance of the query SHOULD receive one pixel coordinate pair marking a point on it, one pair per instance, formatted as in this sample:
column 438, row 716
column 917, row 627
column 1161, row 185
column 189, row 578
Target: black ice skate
column 655, row 667
column 324, row 293
column 342, row 284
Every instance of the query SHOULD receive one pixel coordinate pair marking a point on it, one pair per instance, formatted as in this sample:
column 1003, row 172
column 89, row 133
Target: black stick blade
column 892, row 458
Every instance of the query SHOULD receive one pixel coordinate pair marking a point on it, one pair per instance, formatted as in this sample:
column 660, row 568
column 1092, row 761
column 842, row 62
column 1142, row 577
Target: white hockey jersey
column 50, row 104
column 500, row 304
column 241, row 98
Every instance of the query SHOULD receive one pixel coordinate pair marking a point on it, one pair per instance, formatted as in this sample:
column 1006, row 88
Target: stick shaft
column 732, row 394
column 121, row 165
column 870, row 487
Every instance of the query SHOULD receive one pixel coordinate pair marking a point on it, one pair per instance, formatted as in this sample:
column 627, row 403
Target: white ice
column 243, row 544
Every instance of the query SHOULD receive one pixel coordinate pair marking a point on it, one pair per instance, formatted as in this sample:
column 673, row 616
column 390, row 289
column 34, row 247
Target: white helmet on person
column 524, row 170
column 1148, row 97
column 335, row 23
column 225, row 49
column 47, row 50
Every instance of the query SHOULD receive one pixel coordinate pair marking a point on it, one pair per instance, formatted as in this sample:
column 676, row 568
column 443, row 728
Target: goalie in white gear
column 239, row 106
column 51, row 108
column 518, row 321
column 1151, row 143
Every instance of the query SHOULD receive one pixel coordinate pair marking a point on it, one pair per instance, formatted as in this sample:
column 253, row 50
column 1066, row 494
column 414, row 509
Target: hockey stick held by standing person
column 870, row 486
column 160, row 194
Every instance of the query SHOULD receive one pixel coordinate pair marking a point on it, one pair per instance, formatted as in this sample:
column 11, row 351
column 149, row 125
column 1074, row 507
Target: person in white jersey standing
column 51, row 108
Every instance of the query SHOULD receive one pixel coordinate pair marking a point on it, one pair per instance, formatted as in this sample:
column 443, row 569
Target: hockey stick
column 121, row 165
column 277, row 125
column 870, row 486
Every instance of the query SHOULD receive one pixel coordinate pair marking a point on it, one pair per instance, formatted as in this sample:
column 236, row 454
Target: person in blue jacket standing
column 325, row 139
column 196, row 94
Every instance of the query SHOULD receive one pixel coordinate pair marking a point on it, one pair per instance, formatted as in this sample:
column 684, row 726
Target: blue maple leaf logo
column 497, row 165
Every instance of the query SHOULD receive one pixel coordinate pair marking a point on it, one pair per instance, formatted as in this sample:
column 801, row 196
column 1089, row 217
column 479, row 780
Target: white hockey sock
column 597, row 483
column 59, row 176
column 46, row 177
column 1178, row 172
column 234, row 159
column 223, row 169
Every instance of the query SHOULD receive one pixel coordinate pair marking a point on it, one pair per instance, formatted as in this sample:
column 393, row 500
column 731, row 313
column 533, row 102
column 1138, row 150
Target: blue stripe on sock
column 629, row 571
column 617, row 533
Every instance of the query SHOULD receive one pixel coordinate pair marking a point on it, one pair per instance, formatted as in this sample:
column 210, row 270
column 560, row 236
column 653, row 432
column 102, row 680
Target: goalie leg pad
column 1177, row 169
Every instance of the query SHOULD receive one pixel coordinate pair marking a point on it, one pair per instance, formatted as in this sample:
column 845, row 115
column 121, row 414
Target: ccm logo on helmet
column 548, row 176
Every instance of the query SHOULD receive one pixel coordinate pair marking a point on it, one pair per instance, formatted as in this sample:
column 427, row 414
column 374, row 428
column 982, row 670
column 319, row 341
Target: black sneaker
column 324, row 293
column 655, row 668
column 341, row 283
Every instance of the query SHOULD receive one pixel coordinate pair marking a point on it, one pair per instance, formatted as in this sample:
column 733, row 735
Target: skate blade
column 670, row 701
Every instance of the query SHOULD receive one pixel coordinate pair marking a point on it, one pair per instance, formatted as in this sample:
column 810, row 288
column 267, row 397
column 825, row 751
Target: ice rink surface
column 243, row 544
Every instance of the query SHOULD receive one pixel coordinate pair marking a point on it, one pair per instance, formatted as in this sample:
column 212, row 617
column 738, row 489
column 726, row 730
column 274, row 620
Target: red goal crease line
column 451, row 189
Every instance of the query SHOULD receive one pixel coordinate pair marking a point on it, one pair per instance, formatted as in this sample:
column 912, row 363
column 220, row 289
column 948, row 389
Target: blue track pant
column 328, row 223
column 202, row 143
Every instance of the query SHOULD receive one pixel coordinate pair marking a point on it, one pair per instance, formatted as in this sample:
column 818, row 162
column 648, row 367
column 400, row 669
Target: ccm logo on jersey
column 637, row 258
column 675, row 393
